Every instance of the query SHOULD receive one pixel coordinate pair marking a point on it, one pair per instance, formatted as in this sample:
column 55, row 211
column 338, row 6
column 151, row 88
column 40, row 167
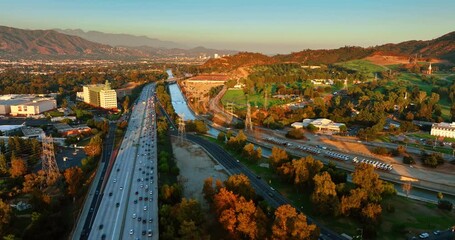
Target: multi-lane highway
column 129, row 207
column 84, row 224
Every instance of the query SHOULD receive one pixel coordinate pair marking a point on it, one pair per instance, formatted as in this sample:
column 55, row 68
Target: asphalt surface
column 120, row 208
column 94, row 205
column 438, row 235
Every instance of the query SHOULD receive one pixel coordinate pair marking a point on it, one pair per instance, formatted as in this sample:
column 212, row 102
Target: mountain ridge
column 21, row 43
column 121, row 39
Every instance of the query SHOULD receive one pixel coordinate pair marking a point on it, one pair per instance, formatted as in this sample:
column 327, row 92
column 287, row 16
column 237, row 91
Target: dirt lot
column 195, row 166
column 389, row 60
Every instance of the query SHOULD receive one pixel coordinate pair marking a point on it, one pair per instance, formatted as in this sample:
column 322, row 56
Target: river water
column 180, row 106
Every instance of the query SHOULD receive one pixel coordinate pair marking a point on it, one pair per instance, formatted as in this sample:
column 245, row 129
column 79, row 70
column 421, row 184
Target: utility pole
column 266, row 96
column 230, row 108
column 181, row 128
column 248, row 123
column 49, row 164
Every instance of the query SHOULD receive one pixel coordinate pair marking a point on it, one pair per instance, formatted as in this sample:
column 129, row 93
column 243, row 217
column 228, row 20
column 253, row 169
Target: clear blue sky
column 277, row 26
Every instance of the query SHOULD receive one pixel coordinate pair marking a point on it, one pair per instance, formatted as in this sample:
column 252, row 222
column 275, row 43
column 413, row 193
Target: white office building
column 100, row 95
column 25, row 104
column 443, row 129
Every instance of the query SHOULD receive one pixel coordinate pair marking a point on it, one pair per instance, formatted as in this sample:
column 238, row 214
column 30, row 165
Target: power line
column 49, row 163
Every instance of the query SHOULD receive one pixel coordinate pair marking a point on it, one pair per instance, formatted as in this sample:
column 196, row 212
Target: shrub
column 408, row 160
column 295, row 134
column 432, row 160
column 381, row 151
column 445, row 205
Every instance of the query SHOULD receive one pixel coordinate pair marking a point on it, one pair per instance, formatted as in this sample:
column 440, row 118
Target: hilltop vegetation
column 243, row 59
column 436, row 50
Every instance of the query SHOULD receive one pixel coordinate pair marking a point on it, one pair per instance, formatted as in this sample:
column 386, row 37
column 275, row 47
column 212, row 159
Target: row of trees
column 329, row 192
column 242, row 215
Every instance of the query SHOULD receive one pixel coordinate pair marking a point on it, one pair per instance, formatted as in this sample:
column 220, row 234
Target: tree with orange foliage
column 94, row 147
column 73, row 177
column 240, row 184
column 366, row 178
column 18, row 167
column 208, row 190
column 289, row 224
column 278, row 157
column 34, row 181
column 324, row 196
column 238, row 216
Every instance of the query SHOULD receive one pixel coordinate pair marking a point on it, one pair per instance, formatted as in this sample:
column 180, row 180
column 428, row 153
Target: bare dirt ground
column 195, row 166
column 389, row 60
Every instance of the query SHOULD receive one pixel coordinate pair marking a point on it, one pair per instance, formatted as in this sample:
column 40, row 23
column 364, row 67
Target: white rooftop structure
column 443, row 129
column 7, row 129
column 320, row 123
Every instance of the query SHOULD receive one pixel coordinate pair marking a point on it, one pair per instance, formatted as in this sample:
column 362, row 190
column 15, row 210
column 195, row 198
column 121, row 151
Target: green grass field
column 239, row 99
column 364, row 66
column 416, row 79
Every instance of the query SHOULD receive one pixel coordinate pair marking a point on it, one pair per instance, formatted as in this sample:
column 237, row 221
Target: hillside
column 242, row 59
column 126, row 40
column 441, row 49
column 325, row 56
column 19, row 42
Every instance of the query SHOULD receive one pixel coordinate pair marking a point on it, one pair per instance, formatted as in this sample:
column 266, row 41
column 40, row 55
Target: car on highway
column 134, row 215
column 117, row 204
column 131, row 231
column 145, row 208
column 424, row 235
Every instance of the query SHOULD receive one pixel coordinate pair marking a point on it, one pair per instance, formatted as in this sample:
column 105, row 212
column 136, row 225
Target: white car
column 134, row 215
column 424, row 235
column 131, row 231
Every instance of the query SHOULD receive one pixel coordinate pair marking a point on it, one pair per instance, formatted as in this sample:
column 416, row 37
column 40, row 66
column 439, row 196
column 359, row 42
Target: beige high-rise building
column 100, row 95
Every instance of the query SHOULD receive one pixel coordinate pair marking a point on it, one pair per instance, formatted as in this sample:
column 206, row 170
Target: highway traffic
column 129, row 207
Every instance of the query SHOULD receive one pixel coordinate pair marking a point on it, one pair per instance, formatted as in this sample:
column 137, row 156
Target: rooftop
column 30, row 131
column 9, row 127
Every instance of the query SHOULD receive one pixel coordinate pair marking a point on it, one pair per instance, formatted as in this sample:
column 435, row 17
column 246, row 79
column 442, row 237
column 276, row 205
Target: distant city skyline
column 260, row 26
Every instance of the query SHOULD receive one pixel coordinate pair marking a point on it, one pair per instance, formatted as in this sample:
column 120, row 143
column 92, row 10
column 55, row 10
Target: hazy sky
column 278, row 26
